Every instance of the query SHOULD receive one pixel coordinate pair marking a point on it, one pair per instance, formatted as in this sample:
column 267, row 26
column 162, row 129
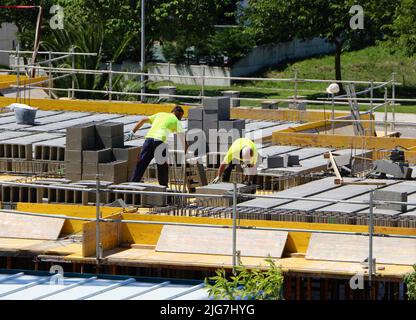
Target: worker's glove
column 216, row 180
column 128, row 136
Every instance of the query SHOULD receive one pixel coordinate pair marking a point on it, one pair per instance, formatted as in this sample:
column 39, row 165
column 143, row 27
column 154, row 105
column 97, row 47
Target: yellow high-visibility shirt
column 163, row 123
column 235, row 151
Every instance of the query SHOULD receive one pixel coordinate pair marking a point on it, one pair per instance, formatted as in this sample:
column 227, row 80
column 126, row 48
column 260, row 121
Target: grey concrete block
column 73, row 167
column 90, row 168
column 165, row 91
column 238, row 124
column 232, row 94
column 269, row 104
column 98, row 156
column 297, row 106
column 293, row 160
column 195, row 114
column 81, row 137
column 277, row 161
column 384, row 195
column 110, row 129
column 215, row 103
column 110, row 142
column 113, row 171
column 73, row 155
column 210, row 115
column 195, row 125
column 128, row 153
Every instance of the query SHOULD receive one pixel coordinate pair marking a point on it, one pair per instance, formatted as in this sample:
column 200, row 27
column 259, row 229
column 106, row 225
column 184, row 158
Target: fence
column 98, row 190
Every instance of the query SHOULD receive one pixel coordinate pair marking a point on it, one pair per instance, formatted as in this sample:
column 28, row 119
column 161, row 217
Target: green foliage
column 404, row 28
column 410, row 281
column 247, row 284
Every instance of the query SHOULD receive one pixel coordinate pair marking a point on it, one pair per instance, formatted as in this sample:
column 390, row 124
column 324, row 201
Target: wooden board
column 355, row 249
column 251, row 243
column 29, row 227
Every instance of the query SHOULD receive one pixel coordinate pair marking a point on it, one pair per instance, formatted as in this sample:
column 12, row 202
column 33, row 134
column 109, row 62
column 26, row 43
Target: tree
column 410, row 281
column 272, row 21
column 404, row 28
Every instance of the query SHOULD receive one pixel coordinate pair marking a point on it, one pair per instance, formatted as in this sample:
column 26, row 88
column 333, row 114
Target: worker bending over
column 244, row 152
column 163, row 123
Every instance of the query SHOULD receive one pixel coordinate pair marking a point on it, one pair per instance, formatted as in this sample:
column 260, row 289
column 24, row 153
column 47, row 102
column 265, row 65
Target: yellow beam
column 102, row 106
column 8, row 80
column 283, row 114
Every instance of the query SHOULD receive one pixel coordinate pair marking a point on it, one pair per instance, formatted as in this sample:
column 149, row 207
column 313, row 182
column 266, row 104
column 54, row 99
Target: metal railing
column 234, row 195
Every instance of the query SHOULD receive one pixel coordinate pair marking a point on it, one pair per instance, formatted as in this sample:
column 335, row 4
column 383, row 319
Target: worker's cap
column 246, row 155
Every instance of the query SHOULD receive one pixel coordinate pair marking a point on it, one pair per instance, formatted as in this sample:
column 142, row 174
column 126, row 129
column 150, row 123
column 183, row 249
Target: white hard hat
column 333, row 88
column 246, row 155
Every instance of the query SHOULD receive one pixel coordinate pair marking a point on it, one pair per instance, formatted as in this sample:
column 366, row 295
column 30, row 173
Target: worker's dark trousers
column 249, row 180
column 143, row 160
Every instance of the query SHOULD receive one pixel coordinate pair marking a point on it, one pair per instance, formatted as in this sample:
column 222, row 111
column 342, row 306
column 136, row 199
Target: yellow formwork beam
column 79, row 211
column 297, row 241
column 101, row 106
column 283, row 114
column 8, row 80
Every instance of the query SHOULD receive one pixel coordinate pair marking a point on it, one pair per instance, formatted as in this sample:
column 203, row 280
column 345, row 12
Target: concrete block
column 195, row 125
column 297, row 106
column 210, row 115
column 232, row 124
column 98, row 156
column 128, row 153
column 113, row 171
column 269, row 104
column 110, row 142
column 232, row 94
column 276, row 161
column 81, row 137
column 73, row 167
column 90, row 168
column 215, row 103
column 73, row 156
column 109, row 129
column 195, row 114
column 293, row 160
column 384, row 195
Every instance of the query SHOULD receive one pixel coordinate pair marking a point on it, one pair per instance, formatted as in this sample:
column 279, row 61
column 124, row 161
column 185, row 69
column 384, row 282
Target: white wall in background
column 8, row 38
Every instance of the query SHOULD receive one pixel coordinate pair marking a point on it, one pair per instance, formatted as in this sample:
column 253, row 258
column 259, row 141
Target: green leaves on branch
column 410, row 281
column 254, row 284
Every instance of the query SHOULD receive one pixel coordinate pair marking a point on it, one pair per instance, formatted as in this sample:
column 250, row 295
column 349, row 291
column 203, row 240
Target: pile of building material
column 93, row 149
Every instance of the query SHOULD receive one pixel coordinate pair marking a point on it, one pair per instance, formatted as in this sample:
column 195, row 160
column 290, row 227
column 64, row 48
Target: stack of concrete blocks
column 400, row 170
column 98, row 148
column 166, row 91
column 270, row 104
column 214, row 121
column 280, row 161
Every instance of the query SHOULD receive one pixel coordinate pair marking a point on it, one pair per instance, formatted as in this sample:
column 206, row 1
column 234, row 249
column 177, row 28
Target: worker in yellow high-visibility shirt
column 163, row 123
column 244, row 152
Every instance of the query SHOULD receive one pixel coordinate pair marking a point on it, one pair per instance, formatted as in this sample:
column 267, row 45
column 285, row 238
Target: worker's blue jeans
column 143, row 160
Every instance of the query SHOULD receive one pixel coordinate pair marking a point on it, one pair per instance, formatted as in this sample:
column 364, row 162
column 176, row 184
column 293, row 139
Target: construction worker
column 244, row 152
column 163, row 123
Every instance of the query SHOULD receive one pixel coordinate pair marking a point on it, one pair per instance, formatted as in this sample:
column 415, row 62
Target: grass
column 373, row 63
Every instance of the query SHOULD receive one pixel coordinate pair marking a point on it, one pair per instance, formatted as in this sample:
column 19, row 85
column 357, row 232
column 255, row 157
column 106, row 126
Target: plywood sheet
column 350, row 248
column 29, row 227
column 251, row 243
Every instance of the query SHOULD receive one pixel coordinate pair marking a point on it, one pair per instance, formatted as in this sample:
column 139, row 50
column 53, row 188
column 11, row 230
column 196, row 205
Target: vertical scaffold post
column 203, row 81
column 370, row 240
column 17, row 59
column 234, row 226
column 371, row 107
column 296, row 89
column 50, row 75
column 142, row 50
column 385, row 111
column 73, row 75
column 333, row 113
column 393, row 102
column 110, row 81
column 98, row 245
